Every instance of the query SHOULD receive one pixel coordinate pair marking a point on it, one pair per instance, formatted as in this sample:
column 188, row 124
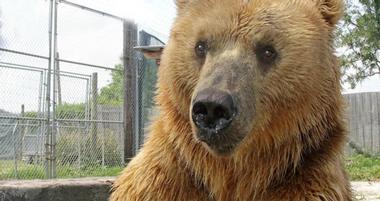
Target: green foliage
column 112, row 94
column 362, row 167
column 67, row 148
column 31, row 114
column 71, row 111
column 24, row 170
column 64, row 111
column 359, row 35
column 73, row 148
column 37, row 171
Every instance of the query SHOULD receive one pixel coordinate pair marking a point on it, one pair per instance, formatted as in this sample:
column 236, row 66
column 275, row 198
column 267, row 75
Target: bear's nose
column 213, row 110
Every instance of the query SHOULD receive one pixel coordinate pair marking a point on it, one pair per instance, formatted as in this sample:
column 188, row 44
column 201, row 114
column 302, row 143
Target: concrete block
column 85, row 189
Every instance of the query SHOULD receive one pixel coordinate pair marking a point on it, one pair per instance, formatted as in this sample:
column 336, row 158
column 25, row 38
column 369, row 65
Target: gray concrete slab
column 85, row 189
column 98, row 189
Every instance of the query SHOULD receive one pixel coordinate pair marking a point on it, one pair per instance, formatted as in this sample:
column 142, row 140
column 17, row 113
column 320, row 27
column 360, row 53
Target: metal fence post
column 94, row 113
column 21, row 134
column 50, row 138
column 129, row 41
column 55, row 64
column 40, row 115
column 48, row 88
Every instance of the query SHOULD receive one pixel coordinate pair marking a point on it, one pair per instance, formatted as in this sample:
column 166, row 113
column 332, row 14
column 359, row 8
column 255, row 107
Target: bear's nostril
column 200, row 109
column 221, row 112
column 212, row 110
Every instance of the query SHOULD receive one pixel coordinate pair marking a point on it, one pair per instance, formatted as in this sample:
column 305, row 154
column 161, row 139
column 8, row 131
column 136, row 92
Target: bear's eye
column 201, row 49
column 266, row 54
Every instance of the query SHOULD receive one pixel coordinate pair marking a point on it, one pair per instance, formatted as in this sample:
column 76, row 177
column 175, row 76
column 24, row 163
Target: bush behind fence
column 66, row 118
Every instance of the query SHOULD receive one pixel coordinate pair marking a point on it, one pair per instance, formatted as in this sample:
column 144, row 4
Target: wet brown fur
column 294, row 147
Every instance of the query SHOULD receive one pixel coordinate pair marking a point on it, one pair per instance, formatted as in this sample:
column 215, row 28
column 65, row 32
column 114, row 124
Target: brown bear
column 250, row 107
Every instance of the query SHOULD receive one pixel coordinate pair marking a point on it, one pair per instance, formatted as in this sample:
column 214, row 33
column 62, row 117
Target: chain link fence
column 63, row 91
column 21, row 132
column 146, row 85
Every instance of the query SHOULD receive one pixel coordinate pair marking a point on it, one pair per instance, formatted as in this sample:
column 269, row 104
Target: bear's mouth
column 220, row 143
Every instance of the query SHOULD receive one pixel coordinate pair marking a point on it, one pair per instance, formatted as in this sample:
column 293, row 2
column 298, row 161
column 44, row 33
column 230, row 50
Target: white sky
column 82, row 36
column 155, row 16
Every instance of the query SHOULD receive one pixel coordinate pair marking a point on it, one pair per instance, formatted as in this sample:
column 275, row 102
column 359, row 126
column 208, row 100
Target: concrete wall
column 87, row 189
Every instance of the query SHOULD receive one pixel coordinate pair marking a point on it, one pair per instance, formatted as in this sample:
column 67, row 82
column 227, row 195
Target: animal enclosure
column 61, row 106
column 62, row 91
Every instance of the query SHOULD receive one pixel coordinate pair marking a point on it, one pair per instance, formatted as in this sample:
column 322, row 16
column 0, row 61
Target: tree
column 112, row 94
column 359, row 36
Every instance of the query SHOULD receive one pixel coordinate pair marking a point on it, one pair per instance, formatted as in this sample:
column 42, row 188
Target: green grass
column 363, row 168
column 36, row 171
column 359, row 167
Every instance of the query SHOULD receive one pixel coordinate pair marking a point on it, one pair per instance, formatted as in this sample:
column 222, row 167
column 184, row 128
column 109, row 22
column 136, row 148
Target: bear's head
column 251, row 74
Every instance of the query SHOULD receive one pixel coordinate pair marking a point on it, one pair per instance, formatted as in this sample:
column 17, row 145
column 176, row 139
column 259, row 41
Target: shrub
column 80, row 148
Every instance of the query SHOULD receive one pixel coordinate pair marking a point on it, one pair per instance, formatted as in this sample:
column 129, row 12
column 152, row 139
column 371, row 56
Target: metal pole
column 86, row 64
column 129, row 41
column 23, row 53
column 39, row 69
column 43, row 117
column 87, row 125
column 53, row 123
column 51, row 70
column 48, row 88
column 94, row 115
column 92, row 10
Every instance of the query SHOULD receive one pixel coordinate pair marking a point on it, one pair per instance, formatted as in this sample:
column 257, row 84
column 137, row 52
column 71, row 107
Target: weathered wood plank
column 359, row 118
column 353, row 118
column 375, row 122
column 368, row 121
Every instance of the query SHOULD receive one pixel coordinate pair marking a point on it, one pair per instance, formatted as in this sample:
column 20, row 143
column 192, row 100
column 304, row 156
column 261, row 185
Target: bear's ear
column 332, row 10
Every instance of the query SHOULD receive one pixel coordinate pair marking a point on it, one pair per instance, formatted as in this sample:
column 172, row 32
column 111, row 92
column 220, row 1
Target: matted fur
column 296, row 137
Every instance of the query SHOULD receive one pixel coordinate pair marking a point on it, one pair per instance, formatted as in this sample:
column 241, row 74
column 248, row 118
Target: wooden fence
column 363, row 114
column 363, row 120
